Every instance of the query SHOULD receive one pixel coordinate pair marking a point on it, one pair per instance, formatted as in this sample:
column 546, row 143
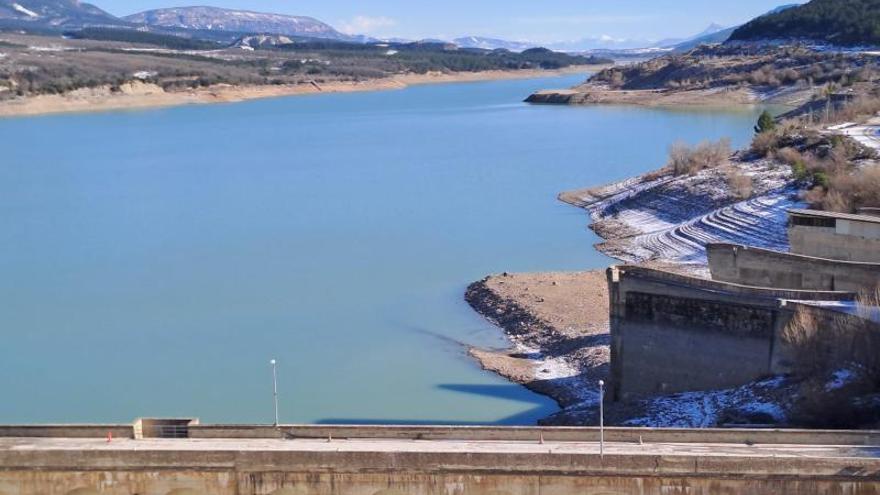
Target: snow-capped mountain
column 55, row 13
column 493, row 43
column 240, row 21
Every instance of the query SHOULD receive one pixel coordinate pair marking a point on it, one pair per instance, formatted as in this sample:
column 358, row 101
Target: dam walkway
column 352, row 460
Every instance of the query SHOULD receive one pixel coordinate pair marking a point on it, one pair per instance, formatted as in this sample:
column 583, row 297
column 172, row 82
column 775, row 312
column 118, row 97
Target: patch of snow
column 144, row 74
column 867, row 135
column 27, row 12
column 50, row 48
column 563, row 372
column 840, row 127
column 840, row 379
column 703, row 409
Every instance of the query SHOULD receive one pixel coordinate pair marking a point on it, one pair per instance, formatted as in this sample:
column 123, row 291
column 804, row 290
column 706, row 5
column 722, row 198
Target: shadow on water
column 543, row 408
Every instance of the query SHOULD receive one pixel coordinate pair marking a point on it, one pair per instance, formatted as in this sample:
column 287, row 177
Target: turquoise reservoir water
column 152, row 262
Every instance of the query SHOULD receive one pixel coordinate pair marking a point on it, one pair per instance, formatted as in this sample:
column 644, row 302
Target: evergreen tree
column 766, row 122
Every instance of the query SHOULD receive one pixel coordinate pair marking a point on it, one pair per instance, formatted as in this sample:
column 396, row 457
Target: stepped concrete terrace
column 388, row 460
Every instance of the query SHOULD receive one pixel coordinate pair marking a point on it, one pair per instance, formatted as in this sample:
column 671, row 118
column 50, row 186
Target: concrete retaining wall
column 763, row 268
column 672, row 333
column 824, row 242
column 830, row 341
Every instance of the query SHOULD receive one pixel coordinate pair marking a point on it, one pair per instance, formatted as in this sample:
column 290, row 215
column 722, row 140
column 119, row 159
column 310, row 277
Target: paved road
column 441, row 446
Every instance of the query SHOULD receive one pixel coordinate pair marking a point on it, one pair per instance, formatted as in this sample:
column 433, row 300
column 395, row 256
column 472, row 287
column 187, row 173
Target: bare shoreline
column 558, row 327
column 139, row 95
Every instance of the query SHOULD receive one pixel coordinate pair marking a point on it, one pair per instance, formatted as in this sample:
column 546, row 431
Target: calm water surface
column 152, row 262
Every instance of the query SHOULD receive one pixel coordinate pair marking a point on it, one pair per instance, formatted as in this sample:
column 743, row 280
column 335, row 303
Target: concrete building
column 837, row 236
column 674, row 333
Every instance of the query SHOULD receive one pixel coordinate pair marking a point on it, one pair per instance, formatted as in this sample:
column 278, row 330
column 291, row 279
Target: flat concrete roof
column 836, row 215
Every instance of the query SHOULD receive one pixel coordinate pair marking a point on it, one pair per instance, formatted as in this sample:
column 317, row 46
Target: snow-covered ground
column 564, row 374
column 867, row 134
column 758, row 222
column 708, row 409
column 672, row 219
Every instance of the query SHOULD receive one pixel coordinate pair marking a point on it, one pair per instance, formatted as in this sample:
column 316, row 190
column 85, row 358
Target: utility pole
column 275, row 388
column 602, row 418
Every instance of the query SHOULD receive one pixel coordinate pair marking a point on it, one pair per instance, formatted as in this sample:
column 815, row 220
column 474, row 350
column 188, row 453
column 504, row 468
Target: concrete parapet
column 67, row 431
column 733, row 289
column 531, row 434
column 468, row 433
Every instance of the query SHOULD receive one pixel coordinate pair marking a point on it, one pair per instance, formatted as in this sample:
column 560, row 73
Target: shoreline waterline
column 144, row 96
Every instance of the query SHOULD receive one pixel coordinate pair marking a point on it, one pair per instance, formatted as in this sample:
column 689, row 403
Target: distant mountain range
column 599, row 43
column 832, row 21
column 493, row 43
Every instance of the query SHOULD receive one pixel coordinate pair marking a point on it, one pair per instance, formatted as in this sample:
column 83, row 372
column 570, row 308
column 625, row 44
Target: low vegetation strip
column 104, row 57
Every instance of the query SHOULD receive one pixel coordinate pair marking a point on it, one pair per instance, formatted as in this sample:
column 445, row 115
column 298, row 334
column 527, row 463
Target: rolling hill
column 237, row 21
column 48, row 14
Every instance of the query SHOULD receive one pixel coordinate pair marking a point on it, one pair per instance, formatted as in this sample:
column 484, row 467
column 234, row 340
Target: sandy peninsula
column 140, row 95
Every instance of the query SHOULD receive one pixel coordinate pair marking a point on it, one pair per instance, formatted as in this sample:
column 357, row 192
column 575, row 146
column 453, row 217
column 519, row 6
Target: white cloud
column 363, row 24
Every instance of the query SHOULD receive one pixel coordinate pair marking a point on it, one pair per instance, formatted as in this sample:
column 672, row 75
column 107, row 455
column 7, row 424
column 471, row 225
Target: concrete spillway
column 392, row 461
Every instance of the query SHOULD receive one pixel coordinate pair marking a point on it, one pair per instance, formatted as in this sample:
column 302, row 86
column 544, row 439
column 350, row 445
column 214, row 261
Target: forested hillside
column 839, row 22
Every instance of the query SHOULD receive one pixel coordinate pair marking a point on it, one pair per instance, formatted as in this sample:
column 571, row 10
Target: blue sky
column 536, row 20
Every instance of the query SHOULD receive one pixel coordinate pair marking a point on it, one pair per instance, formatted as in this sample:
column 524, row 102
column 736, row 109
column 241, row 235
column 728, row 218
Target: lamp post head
column 601, row 383
column 272, row 362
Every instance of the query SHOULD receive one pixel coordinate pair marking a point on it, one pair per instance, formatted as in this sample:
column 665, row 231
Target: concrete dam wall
column 458, row 461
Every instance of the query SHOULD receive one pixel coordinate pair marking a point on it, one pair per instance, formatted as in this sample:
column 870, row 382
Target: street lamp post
column 275, row 388
column 602, row 418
